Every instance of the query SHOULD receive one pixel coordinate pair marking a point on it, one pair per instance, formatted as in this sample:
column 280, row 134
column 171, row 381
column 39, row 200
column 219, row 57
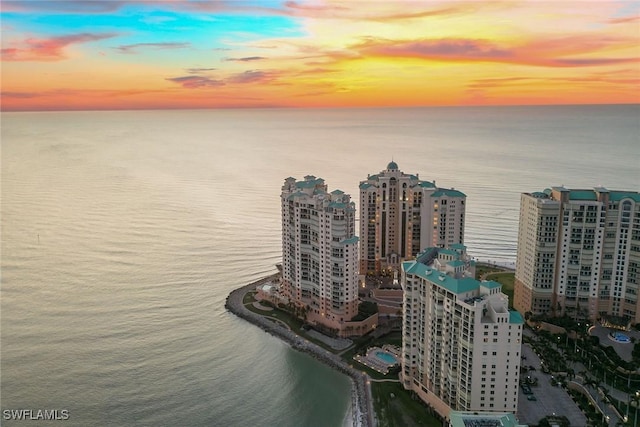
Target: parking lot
column 549, row 399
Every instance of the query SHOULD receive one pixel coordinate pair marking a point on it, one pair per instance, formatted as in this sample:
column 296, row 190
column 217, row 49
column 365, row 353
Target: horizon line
column 285, row 107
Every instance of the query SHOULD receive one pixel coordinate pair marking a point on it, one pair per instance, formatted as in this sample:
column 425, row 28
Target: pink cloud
column 361, row 12
column 132, row 48
column 252, row 76
column 441, row 48
column 556, row 52
column 624, row 20
column 195, row 82
column 51, row 49
column 77, row 6
column 585, row 62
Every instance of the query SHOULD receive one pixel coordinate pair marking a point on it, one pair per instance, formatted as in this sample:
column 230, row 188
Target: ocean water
column 123, row 233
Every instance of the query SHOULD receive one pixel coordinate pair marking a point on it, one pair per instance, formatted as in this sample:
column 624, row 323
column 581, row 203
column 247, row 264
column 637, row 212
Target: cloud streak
column 51, row 49
column 246, row 59
column 196, row 82
column 134, row 48
column 542, row 53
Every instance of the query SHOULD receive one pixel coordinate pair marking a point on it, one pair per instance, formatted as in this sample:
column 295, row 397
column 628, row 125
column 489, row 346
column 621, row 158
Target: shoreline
column 361, row 401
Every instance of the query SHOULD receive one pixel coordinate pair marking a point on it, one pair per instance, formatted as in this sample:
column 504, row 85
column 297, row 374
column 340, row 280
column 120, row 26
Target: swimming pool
column 387, row 358
column 620, row 337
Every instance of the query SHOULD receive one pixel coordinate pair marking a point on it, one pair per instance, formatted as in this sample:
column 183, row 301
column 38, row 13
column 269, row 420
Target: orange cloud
column 194, row 82
column 51, row 49
column 546, row 53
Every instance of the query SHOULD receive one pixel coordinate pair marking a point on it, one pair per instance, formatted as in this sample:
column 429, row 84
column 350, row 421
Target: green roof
column 457, row 246
column 515, row 317
column 455, row 263
column 457, row 286
column 583, row 195
column 616, row 196
column 365, row 185
column 491, row 284
column 447, row 252
column 427, row 184
column 296, row 194
column 309, row 184
column 337, row 192
column 337, row 205
column 449, row 193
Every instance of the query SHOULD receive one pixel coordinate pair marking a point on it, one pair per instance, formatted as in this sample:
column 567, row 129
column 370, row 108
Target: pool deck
column 374, row 362
column 624, row 350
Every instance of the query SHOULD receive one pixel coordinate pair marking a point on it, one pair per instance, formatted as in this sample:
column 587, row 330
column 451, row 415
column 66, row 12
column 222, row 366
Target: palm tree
column 635, row 398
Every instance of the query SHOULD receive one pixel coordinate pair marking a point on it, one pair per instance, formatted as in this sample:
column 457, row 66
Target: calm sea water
column 123, row 233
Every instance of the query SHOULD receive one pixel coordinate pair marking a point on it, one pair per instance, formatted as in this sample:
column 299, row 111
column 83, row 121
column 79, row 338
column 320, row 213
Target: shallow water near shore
column 124, row 232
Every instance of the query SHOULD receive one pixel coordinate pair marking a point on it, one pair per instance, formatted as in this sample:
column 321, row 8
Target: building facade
column 461, row 344
column 579, row 253
column 319, row 252
column 400, row 215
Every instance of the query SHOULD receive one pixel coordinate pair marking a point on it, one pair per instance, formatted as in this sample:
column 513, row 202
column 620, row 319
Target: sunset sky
column 112, row 54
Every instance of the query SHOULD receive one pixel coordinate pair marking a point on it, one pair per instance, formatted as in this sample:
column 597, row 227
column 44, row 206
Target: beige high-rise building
column 460, row 342
column 400, row 215
column 319, row 252
column 579, row 253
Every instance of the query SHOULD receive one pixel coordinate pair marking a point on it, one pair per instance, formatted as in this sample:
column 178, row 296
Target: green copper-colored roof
column 392, row 166
column 337, row 205
column 457, row 286
column 309, row 184
column 515, row 317
column 455, row 263
column 616, row 196
column 337, row 192
column 448, row 252
column 457, row 246
column 296, row 194
column 427, row 184
column 365, row 185
column 449, row 193
column 589, row 195
column 490, row 284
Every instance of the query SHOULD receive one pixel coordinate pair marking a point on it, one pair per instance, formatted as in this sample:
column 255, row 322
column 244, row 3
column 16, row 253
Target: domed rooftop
column 393, row 166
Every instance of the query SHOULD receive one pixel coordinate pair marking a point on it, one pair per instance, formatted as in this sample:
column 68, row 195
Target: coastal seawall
column 361, row 406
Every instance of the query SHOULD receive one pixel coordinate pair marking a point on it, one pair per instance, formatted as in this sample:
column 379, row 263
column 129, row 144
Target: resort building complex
column 400, row 215
column 579, row 253
column 319, row 253
column 461, row 343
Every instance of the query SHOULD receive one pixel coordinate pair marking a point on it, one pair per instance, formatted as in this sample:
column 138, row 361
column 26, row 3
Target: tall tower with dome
column 400, row 215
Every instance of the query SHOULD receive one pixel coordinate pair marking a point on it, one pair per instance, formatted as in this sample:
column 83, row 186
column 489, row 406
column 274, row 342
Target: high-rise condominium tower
column 319, row 251
column 579, row 253
column 400, row 215
column 460, row 342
